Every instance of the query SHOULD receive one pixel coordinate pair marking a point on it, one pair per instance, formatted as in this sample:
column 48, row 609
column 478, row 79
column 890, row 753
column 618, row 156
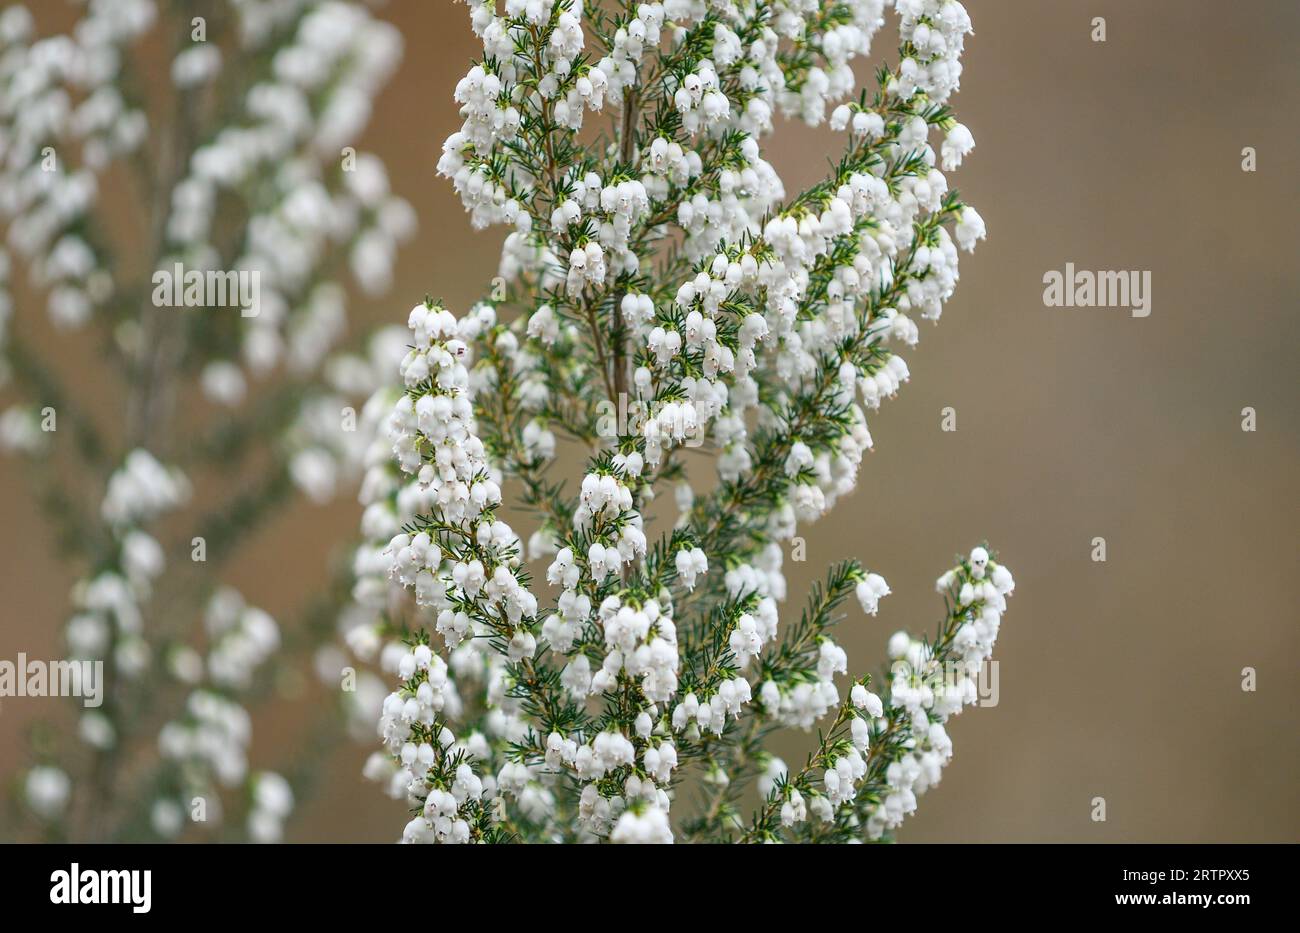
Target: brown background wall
column 1118, row 679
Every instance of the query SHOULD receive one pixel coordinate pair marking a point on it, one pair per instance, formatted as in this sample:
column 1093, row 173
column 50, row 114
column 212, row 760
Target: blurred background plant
column 243, row 160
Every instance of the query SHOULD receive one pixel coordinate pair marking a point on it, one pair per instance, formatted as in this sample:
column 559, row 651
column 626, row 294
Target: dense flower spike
column 665, row 293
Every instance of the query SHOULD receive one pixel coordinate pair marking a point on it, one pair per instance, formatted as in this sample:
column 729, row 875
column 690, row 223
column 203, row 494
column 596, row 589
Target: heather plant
column 661, row 293
column 195, row 234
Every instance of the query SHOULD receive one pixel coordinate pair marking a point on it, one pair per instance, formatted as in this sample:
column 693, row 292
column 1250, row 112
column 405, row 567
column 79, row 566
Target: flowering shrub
column 660, row 293
column 657, row 264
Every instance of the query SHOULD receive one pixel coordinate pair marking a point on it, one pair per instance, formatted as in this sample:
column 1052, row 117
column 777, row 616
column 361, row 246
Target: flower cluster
column 292, row 126
column 65, row 121
column 463, row 563
column 931, row 682
column 666, row 276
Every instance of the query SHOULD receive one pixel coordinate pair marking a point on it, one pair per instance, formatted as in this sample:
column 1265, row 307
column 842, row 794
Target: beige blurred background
column 1119, row 679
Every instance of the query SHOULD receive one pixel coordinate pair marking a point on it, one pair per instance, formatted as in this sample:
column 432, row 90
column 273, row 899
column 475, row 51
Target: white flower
column 956, row 145
column 870, row 591
column 544, row 325
column 866, row 700
column 970, row 228
column 691, row 562
column 47, row 789
column 650, row 826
